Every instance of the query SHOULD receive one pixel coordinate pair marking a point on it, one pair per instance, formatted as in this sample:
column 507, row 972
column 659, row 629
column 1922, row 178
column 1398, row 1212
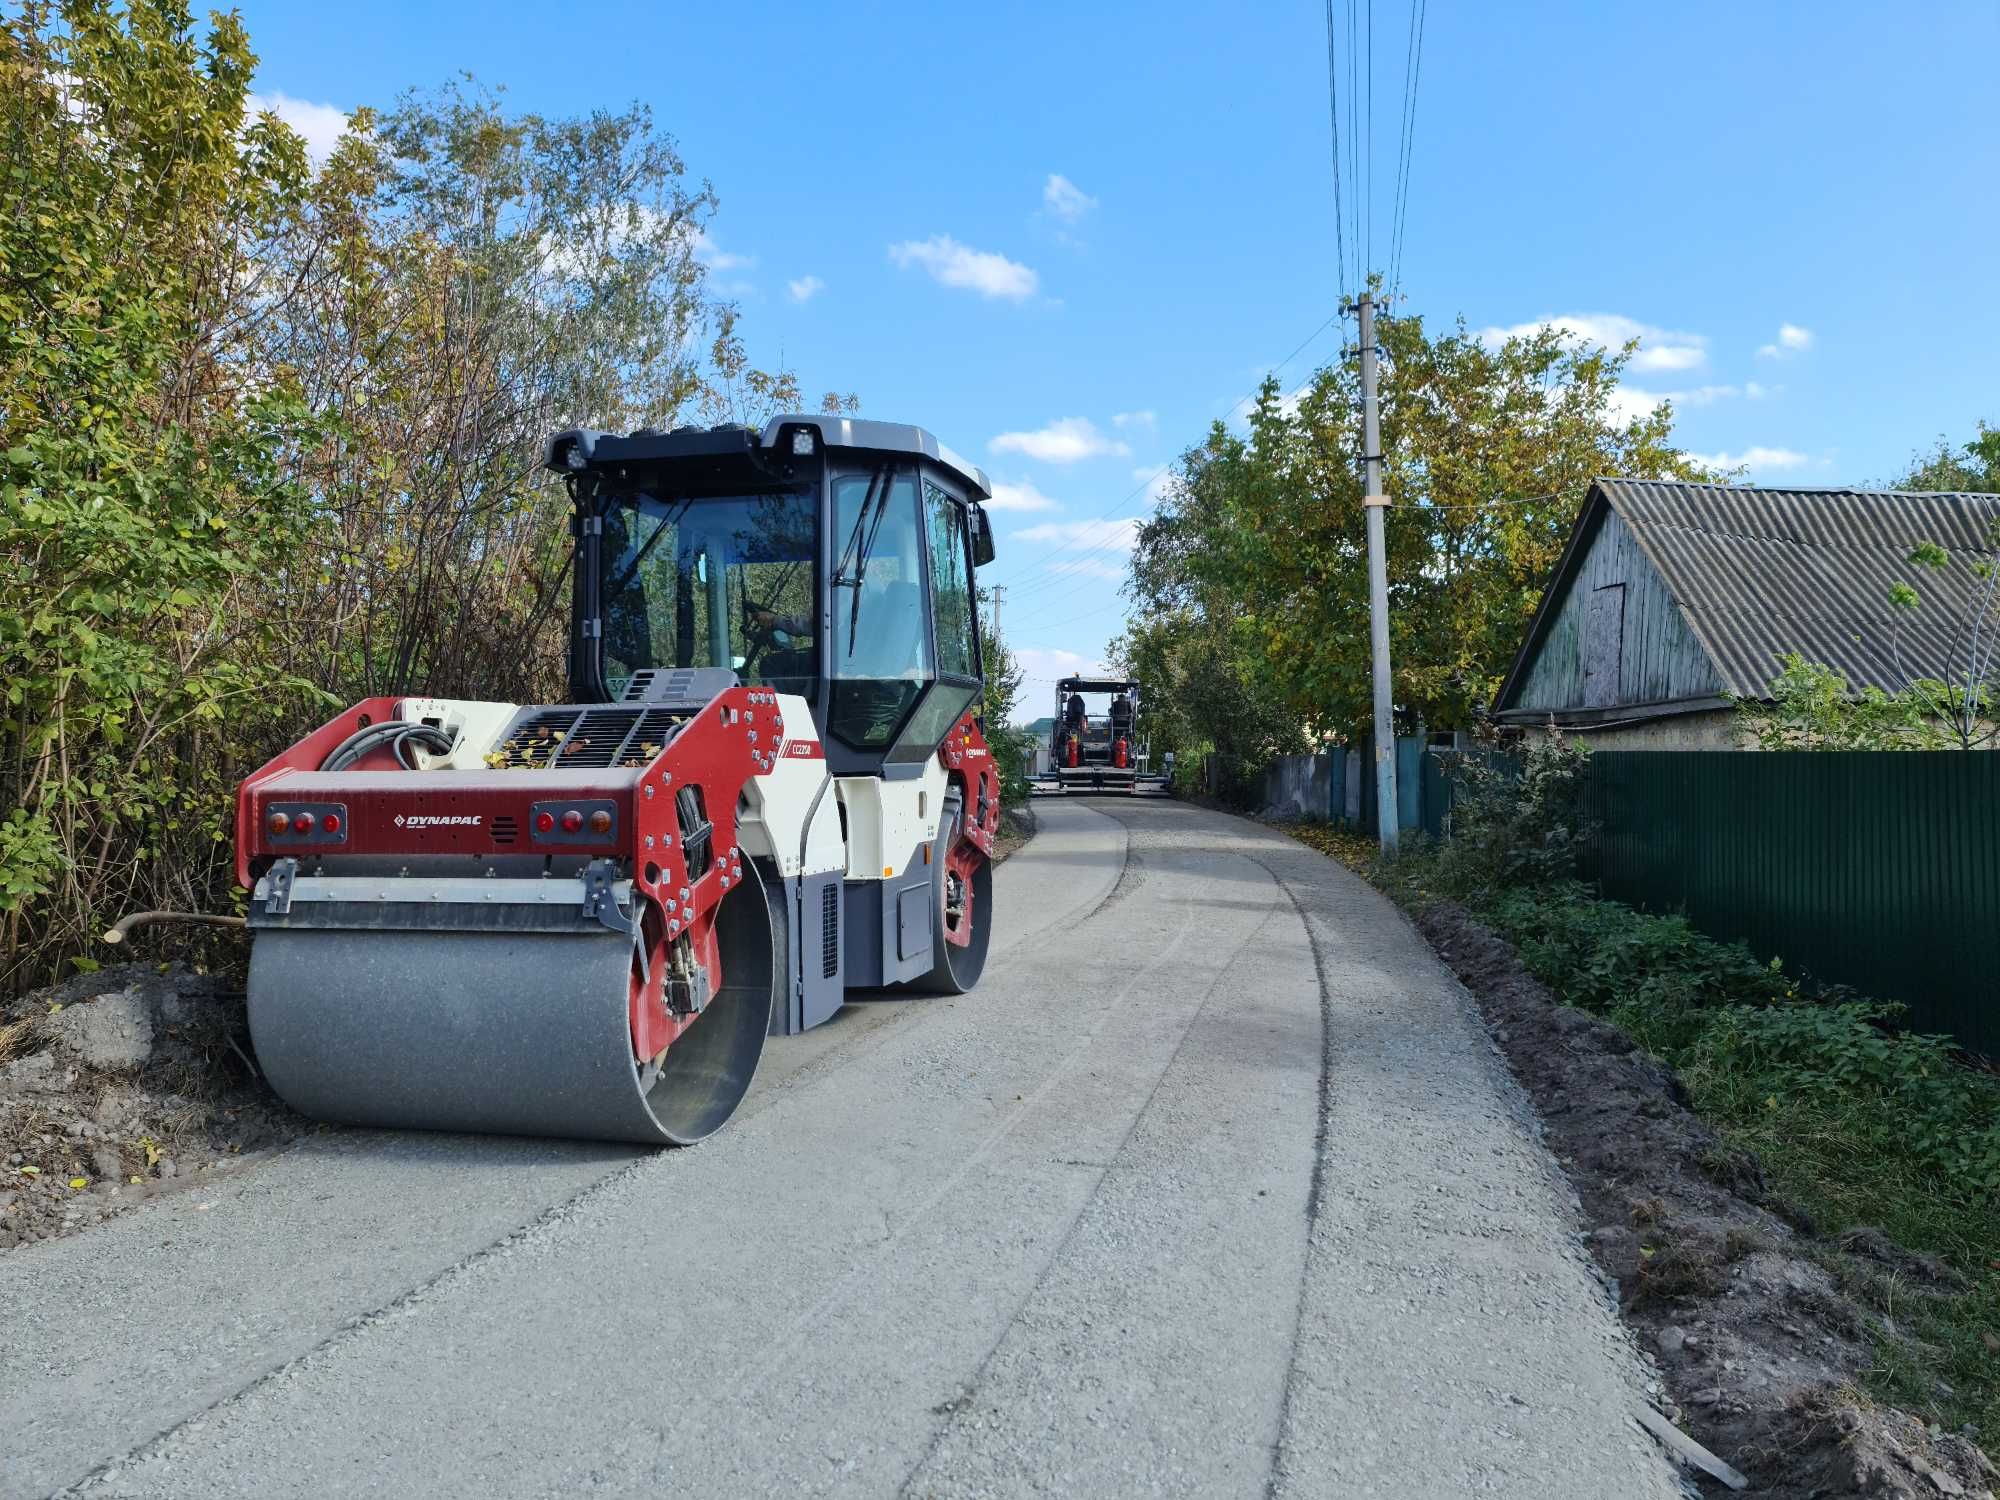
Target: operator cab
column 1088, row 733
column 826, row 557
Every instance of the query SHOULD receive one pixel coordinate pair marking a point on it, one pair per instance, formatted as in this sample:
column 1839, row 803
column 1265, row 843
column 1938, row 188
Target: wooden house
column 1672, row 599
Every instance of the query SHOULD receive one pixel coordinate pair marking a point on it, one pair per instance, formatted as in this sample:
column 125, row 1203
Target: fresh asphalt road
column 1214, row 1187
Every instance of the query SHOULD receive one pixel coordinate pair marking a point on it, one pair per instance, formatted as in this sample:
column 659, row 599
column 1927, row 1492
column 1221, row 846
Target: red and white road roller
column 770, row 788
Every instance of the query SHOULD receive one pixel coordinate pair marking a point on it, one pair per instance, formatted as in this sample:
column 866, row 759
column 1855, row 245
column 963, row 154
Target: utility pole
column 1375, row 503
column 999, row 592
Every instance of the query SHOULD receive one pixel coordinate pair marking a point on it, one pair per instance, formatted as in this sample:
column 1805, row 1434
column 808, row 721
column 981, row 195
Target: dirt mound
column 120, row 1085
column 1759, row 1347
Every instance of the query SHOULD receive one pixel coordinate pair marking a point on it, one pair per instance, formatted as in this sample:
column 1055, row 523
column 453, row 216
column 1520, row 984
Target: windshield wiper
column 858, row 547
column 667, row 523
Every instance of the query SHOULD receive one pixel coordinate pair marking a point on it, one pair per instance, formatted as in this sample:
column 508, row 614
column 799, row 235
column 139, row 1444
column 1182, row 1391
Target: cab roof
column 581, row 448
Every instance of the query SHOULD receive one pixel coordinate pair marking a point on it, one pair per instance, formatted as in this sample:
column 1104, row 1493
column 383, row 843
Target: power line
column 1333, row 113
column 1354, row 174
column 1413, row 74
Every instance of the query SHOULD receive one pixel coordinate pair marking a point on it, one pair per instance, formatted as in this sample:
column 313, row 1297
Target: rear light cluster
column 593, row 822
column 306, row 823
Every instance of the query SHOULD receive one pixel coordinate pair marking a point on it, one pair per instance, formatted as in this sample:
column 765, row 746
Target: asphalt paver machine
column 1096, row 744
column 770, row 788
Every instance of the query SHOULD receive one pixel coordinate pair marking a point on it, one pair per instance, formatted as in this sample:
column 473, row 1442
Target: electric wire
column 1354, row 175
column 1412, row 84
column 1333, row 114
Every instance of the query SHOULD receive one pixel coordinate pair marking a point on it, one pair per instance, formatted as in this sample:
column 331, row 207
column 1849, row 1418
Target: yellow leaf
column 31, row 1171
column 1771, row 1101
column 56, row 1007
column 79, row 1183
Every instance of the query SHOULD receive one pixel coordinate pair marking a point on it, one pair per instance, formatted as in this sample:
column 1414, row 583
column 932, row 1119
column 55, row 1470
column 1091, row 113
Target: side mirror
column 982, row 538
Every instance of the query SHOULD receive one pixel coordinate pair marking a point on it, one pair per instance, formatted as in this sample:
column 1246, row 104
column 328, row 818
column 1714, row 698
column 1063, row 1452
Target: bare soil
column 1749, row 1315
column 1017, row 826
column 119, row 1086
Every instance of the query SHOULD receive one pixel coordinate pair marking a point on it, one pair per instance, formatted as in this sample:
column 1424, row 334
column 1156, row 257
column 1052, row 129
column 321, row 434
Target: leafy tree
column 1809, row 706
column 465, row 281
column 1207, row 694
column 1489, row 450
column 1002, row 672
column 1959, row 643
column 144, row 484
column 1949, row 648
column 1973, row 467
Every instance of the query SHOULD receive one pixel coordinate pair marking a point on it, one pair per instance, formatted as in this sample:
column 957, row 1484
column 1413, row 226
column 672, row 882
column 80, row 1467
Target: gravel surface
column 1213, row 1187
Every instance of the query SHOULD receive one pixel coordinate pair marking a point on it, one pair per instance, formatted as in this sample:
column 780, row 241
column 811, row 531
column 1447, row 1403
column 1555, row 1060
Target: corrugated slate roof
column 1759, row 572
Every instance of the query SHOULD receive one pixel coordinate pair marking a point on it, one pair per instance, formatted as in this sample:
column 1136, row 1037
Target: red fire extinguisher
column 1069, row 757
column 1121, row 755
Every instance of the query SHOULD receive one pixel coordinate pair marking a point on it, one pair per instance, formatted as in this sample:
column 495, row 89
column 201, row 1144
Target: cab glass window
column 881, row 646
column 951, row 584
column 720, row 581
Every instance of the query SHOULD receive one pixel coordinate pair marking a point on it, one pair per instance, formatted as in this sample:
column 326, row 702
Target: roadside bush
column 1604, row 956
column 1901, row 1092
column 1762, row 1049
column 1517, row 820
column 1757, row 1035
column 145, row 491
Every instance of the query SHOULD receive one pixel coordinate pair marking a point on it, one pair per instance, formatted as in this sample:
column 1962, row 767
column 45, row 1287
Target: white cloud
column 1065, row 441
column 1754, row 459
column 1704, row 395
column 1136, row 419
column 1630, row 402
column 320, row 124
column 952, row 264
column 712, row 255
column 805, row 288
column 1121, row 535
column 1660, row 349
column 1065, row 199
column 1022, row 496
column 1792, row 339
column 1089, row 567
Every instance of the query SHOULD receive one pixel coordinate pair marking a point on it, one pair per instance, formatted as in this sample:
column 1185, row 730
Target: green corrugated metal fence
column 1413, row 768
column 1878, row 870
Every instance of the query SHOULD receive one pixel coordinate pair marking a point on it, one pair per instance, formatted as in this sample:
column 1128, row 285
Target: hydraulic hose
column 400, row 734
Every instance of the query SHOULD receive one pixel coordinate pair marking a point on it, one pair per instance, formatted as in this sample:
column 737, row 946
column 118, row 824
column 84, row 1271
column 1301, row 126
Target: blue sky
column 1066, row 238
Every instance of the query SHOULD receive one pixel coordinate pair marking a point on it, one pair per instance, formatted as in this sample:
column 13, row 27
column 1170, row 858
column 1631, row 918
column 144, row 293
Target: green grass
column 1854, row 1123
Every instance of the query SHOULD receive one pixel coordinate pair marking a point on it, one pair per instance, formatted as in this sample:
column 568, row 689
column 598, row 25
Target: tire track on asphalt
column 782, row 1349
column 1316, row 1195
column 1061, row 1247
